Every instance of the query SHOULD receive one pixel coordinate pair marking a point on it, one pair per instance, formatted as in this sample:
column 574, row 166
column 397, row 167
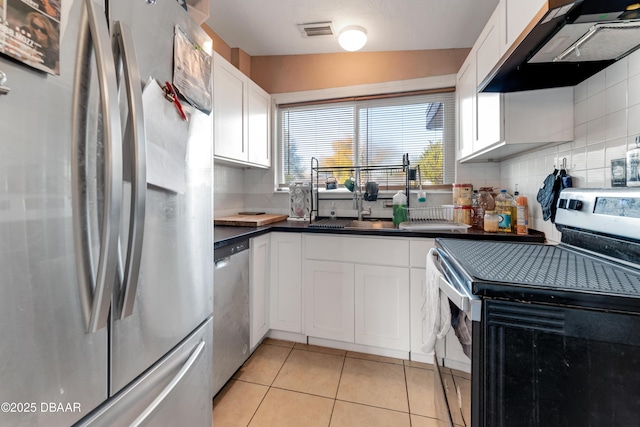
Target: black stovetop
column 538, row 272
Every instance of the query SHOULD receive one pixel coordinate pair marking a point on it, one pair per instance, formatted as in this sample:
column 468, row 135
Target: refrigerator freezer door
column 174, row 293
column 46, row 356
column 175, row 392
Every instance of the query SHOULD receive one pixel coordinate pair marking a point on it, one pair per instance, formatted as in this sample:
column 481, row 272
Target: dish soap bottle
column 399, row 203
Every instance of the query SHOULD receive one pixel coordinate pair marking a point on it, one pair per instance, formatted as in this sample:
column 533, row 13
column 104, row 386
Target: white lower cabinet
column 419, row 250
column 418, row 338
column 448, row 348
column 329, row 300
column 454, row 356
column 286, row 282
column 382, row 306
column 259, row 288
column 364, row 292
column 357, row 290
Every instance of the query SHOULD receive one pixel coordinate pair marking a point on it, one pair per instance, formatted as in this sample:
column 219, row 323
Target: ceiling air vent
column 316, row 29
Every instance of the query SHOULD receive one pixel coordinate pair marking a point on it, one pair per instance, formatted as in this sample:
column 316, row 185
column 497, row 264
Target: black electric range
column 556, row 328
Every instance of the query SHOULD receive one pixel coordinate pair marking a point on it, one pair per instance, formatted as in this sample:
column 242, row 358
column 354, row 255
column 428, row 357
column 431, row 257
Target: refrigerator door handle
column 123, row 49
column 95, row 292
column 143, row 417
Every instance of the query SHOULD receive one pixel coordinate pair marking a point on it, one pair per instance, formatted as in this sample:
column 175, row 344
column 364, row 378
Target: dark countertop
column 225, row 235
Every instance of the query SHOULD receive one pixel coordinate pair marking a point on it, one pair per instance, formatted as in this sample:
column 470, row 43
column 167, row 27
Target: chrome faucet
column 364, row 212
column 358, row 198
column 358, row 205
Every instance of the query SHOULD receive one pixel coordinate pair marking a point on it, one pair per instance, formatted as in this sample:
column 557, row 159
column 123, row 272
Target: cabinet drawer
column 362, row 250
column 419, row 250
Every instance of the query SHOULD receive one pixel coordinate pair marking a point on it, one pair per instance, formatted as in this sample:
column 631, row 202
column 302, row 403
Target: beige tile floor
column 287, row 384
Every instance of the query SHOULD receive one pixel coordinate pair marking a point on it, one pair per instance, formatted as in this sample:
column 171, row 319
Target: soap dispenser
column 399, row 205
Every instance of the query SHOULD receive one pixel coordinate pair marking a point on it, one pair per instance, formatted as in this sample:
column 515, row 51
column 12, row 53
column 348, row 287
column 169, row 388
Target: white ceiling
column 269, row 27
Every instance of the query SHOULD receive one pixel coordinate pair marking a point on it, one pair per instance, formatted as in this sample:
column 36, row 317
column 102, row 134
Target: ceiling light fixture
column 352, row 38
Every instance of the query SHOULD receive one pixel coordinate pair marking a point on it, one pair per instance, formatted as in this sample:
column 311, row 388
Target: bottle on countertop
column 399, row 205
column 505, row 207
column 522, row 225
column 477, row 212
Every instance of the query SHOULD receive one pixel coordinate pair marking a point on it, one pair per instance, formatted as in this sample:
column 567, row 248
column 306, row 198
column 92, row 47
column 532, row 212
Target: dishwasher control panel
column 229, row 250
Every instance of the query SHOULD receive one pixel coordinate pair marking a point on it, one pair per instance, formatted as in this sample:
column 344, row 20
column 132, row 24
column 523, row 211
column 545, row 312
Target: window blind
column 371, row 132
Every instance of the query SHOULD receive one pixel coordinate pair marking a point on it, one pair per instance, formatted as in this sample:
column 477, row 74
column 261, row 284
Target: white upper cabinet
column 229, row 88
column 493, row 126
column 516, row 16
column 258, row 122
column 488, row 50
column 242, row 117
column 466, row 94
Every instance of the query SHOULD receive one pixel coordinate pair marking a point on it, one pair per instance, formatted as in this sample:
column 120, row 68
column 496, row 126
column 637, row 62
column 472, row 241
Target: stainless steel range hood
column 568, row 44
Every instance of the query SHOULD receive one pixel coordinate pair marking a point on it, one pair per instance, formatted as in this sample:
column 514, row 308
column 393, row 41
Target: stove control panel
column 571, row 204
column 612, row 211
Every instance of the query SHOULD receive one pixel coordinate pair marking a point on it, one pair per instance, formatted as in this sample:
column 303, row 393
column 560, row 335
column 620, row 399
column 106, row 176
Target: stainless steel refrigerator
column 106, row 289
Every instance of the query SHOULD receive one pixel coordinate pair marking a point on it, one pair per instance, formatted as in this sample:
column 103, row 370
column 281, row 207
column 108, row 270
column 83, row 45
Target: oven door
column 452, row 375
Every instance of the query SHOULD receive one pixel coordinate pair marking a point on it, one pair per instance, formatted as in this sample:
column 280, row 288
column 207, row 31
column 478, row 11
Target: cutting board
column 249, row 220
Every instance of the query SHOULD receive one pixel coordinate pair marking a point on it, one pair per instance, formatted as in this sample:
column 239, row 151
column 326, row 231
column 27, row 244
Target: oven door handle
column 460, row 300
column 470, row 304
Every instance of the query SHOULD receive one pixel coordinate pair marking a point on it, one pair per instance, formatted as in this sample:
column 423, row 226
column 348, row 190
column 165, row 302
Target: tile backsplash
column 228, row 190
column 607, row 121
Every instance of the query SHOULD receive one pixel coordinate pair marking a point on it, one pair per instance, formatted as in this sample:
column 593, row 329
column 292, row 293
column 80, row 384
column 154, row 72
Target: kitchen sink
column 371, row 225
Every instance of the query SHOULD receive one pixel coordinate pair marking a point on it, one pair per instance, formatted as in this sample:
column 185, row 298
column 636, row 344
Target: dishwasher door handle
column 222, row 263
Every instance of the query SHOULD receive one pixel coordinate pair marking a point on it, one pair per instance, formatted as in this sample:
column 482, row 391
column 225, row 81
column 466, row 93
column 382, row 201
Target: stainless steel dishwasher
column 230, row 311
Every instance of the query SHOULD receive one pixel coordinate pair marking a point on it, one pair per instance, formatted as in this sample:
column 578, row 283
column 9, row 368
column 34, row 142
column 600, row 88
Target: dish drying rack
column 387, row 176
column 432, row 218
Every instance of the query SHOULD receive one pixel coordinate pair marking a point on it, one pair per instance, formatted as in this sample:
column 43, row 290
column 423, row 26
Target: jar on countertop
column 463, row 211
column 506, row 209
column 491, row 221
column 461, row 191
column 482, row 201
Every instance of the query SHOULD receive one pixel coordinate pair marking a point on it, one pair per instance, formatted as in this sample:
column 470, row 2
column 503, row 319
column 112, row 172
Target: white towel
column 436, row 314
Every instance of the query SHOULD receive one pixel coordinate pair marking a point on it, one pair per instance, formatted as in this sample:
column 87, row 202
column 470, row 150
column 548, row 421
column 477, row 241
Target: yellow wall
column 293, row 73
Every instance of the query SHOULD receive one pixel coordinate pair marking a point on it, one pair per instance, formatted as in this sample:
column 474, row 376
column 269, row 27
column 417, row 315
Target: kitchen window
column 369, row 131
